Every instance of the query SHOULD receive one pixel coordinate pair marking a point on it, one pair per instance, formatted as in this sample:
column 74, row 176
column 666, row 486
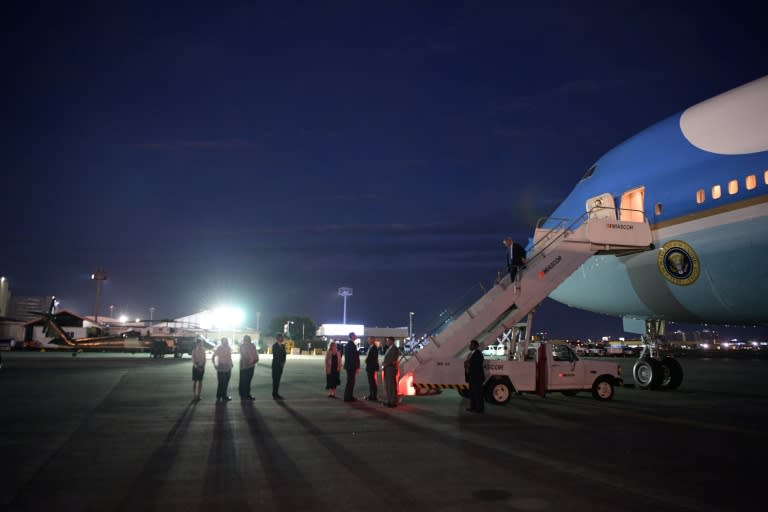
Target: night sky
column 264, row 154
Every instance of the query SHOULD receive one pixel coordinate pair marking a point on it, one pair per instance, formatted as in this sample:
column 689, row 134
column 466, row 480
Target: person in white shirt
column 248, row 359
column 222, row 361
column 198, row 369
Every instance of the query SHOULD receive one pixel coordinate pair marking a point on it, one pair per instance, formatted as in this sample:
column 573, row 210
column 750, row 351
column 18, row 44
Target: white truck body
column 563, row 371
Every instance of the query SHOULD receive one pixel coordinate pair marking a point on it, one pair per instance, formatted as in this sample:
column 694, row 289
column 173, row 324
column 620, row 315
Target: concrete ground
column 120, row 432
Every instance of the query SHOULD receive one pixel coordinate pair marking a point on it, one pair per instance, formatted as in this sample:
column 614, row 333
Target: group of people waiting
column 335, row 360
column 222, row 363
column 349, row 360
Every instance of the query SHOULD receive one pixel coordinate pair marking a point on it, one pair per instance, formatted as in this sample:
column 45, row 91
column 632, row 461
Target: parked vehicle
column 546, row 367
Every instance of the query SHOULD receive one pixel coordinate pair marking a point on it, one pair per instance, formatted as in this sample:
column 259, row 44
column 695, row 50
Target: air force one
column 700, row 178
column 671, row 225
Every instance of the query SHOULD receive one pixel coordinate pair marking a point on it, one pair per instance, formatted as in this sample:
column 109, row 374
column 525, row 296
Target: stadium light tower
column 99, row 276
column 345, row 292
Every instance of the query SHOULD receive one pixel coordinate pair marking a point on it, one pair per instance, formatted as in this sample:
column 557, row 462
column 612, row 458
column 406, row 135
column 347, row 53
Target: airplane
column 130, row 341
column 700, row 178
column 669, row 226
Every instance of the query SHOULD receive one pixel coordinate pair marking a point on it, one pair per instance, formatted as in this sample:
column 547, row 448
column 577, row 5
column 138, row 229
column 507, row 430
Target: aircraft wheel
column 648, row 373
column 464, row 392
column 498, row 392
column 673, row 373
column 602, row 389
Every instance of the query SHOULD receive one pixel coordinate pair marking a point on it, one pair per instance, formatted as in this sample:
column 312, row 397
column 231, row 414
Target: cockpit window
column 589, row 172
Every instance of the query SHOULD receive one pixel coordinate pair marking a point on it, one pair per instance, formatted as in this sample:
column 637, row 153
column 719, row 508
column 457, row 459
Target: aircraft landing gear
column 649, row 371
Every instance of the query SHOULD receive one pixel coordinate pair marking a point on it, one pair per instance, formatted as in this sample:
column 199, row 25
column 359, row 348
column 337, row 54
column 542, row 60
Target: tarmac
column 103, row 432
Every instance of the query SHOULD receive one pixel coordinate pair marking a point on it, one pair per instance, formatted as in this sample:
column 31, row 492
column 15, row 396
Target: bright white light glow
column 341, row 330
column 227, row 317
column 123, row 319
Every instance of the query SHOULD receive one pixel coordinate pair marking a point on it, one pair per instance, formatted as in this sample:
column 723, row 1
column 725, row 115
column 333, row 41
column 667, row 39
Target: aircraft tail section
column 60, row 337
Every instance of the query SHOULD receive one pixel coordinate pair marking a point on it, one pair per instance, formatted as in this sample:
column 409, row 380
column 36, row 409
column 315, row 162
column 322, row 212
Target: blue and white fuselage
column 701, row 179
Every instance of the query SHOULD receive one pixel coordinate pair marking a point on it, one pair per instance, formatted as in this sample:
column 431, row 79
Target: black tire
column 673, row 373
column 498, row 392
column 602, row 388
column 648, row 373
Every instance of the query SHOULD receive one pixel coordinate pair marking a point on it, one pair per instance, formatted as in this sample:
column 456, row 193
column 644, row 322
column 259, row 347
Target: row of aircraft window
column 750, row 183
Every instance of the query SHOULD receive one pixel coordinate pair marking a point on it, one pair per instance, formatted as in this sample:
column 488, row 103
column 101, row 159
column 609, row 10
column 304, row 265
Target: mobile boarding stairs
column 559, row 250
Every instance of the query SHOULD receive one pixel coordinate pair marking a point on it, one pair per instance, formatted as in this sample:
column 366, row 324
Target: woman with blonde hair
column 332, row 369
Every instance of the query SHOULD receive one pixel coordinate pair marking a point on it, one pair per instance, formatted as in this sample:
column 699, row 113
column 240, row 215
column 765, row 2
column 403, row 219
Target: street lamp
column 111, row 311
column 345, row 292
column 151, row 313
column 99, row 276
column 410, row 325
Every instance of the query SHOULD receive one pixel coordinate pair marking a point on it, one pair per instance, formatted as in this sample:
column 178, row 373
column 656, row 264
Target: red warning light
column 405, row 385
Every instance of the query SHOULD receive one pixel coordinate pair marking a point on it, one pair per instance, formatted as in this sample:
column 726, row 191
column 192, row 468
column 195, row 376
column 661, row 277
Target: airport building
column 340, row 332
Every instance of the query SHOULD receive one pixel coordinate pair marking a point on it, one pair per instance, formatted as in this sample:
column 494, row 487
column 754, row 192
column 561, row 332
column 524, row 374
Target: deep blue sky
column 267, row 153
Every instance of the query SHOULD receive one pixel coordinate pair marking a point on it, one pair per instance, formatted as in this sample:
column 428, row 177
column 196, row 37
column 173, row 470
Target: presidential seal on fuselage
column 678, row 263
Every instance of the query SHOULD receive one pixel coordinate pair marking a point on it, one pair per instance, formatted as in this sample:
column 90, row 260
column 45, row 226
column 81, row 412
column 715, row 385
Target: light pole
column 345, row 292
column 99, row 276
column 410, row 325
column 151, row 314
column 258, row 320
column 111, row 311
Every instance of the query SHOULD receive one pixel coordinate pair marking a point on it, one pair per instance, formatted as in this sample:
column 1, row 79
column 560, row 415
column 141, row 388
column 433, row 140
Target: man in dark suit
column 372, row 368
column 515, row 258
column 278, row 362
column 391, row 364
column 352, row 366
column 475, row 376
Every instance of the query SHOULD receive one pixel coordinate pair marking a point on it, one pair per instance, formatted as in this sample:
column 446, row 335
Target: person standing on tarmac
column 222, row 361
column 278, row 363
column 391, row 364
column 352, row 366
column 248, row 359
column 475, row 376
column 198, row 369
column 372, row 368
column 332, row 369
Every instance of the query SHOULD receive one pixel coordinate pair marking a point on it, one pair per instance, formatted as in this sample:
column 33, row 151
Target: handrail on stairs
column 558, row 230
